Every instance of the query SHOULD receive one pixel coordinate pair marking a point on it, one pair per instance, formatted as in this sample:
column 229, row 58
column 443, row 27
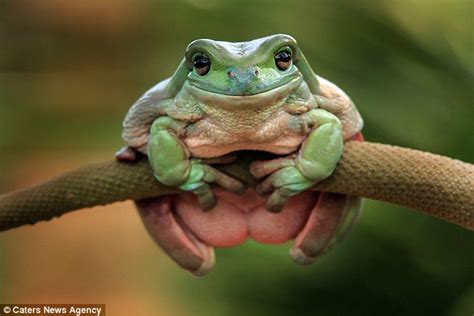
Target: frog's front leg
column 316, row 160
column 172, row 163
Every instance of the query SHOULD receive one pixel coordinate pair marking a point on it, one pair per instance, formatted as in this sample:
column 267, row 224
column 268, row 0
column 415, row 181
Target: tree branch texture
column 439, row 186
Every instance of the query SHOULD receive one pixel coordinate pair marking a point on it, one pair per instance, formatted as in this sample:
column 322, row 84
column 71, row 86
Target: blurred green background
column 69, row 70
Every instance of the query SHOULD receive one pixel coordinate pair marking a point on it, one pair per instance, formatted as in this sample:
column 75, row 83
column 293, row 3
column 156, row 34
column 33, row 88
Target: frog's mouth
column 226, row 99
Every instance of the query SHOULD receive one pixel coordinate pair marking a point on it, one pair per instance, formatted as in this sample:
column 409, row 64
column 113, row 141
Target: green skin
column 240, row 77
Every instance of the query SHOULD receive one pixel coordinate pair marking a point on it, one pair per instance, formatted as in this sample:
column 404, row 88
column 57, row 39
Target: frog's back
column 341, row 106
column 137, row 122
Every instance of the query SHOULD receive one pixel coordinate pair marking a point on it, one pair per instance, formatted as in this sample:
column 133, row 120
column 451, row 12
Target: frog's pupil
column 283, row 56
column 201, row 62
column 283, row 60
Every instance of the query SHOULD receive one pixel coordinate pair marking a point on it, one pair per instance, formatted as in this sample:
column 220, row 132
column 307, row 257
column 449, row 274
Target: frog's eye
column 283, row 59
column 201, row 64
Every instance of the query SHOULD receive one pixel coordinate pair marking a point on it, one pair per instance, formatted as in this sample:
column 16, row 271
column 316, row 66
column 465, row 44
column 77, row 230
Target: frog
column 228, row 97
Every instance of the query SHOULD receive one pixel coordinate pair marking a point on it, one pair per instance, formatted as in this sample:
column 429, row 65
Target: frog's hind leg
column 329, row 222
column 174, row 237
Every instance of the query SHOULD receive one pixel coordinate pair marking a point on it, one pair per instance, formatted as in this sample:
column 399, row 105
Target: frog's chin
column 257, row 100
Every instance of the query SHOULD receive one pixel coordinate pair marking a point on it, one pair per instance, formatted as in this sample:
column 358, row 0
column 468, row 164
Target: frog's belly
column 208, row 139
column 281, row 147
column 236, row 218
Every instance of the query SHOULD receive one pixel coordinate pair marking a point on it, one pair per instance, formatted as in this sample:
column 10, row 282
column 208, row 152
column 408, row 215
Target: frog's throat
column 244, row 101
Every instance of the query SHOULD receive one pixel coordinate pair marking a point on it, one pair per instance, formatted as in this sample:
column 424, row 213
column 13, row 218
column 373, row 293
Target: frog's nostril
column 230, row 74
column 256, row 72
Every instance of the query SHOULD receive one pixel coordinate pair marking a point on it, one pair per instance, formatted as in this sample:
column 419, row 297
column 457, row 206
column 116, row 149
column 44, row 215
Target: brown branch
column 439, row 186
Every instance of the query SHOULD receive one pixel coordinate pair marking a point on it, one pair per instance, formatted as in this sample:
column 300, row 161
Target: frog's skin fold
column 226, row 97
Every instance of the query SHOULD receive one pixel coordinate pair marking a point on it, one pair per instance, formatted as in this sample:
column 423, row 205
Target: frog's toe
column 278, row 198
column 212, row 175
column 283, row 177
column 226, row 159
column 126, row 153
column 175, row 238
column 327, row 222
column 282, row 185
column 200, row 179
column 206, row 198
column 260, row 169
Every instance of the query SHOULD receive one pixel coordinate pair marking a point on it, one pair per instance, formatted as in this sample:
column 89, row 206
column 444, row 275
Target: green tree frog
column 225, row 97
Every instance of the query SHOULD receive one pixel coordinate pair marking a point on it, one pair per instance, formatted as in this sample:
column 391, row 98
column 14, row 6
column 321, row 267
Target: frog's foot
column 331, row 219
column 316, row 160
column 201, row 176
column 284, row 180
column 174, row 238
column 173, row 166
column 126, row 153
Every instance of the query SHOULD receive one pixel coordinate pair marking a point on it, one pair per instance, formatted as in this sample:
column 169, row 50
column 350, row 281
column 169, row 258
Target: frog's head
column 272, row 64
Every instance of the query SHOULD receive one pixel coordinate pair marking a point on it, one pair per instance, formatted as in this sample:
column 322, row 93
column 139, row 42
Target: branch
column 439, row 186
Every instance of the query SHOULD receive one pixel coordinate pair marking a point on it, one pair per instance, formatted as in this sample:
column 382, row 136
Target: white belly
column 279, row 135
